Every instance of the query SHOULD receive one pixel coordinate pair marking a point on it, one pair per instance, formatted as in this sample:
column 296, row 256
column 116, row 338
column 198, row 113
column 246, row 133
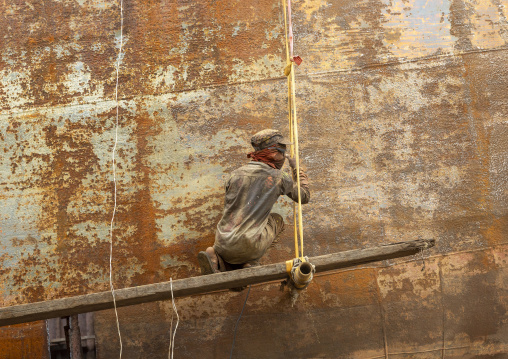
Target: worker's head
column 269, row 138
column 270, row 148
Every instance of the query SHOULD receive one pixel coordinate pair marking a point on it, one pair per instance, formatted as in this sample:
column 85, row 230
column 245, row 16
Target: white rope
column 238, row 321
column 119, row 59
column 172, row 337
column 170, row 334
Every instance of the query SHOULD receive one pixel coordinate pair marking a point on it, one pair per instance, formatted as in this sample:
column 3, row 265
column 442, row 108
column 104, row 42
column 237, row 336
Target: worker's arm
column 292, row 186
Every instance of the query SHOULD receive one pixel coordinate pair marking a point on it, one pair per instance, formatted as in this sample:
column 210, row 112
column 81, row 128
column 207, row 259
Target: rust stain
column 402, row 109
column 496, row 233
column 28, row 340
column 478, row 281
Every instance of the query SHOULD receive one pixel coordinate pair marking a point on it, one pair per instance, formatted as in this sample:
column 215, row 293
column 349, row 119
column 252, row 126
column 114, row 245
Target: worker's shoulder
column 257, row 169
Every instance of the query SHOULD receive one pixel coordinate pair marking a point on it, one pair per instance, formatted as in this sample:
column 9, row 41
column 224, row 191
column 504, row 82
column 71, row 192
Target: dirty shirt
column 251, row 192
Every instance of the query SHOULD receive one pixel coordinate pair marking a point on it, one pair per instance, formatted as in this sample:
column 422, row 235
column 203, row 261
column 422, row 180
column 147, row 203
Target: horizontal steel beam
column 198, row 285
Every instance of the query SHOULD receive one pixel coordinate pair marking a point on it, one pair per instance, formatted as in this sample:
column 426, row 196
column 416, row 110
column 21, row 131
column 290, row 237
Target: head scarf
column 267, row 156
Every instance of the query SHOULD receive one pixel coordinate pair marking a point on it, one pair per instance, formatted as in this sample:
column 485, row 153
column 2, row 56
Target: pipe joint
column 302, row 273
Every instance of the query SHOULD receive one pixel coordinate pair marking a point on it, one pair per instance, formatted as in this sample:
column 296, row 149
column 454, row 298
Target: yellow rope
column 293, row 130
column 297, row 157
column 292, row 150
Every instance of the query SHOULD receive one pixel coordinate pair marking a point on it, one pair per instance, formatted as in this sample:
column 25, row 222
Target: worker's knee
column 277, row 217
column 278, row 222
column 210, row 251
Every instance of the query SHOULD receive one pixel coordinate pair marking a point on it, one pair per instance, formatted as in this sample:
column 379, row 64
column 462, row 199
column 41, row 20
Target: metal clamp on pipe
column 300, row 272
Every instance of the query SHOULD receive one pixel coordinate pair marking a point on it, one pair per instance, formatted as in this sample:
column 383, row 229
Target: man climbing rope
column 247, row 228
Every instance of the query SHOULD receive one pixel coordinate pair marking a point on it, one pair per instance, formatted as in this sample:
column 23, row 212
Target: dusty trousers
column 231, row 260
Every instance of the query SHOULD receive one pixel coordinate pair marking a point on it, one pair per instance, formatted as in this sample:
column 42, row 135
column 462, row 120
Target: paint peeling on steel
column 402, row 108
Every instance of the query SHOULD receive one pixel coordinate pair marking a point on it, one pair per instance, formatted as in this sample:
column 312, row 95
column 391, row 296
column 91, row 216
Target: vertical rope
column 170, row 333
column 297, row 157
column 172, row 337
column 290, row 31
column 290, row 117
column 293, row 120
column 238, row 321
column 112, row 288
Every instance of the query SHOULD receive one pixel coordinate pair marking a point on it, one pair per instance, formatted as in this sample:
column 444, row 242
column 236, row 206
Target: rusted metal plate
column 29, row 340
column 403, row 130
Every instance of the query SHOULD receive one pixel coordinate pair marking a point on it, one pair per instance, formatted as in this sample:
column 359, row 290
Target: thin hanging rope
column 170, row 334
column 172, row 337
column 290, row 31
column 112, row 288
column 236, row 325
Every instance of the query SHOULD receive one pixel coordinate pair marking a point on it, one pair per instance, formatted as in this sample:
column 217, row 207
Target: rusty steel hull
column 403, row 125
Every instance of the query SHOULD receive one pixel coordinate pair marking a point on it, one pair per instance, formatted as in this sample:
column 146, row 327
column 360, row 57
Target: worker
column 247, row 229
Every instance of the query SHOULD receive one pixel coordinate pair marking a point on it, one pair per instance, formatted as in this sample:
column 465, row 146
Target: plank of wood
column 199, row 285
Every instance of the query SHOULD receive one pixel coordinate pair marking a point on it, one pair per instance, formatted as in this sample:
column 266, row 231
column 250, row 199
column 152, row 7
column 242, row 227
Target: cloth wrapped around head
column 268, row 138
column 268, row 145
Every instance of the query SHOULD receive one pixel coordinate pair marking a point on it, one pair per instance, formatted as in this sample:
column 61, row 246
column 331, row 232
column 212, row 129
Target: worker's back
column 251, row 192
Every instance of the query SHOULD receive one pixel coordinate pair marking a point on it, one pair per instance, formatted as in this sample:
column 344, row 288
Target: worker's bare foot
column 208, row 261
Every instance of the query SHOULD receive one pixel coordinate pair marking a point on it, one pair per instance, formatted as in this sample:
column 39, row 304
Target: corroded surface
column 29, row 340
column 403, row 132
